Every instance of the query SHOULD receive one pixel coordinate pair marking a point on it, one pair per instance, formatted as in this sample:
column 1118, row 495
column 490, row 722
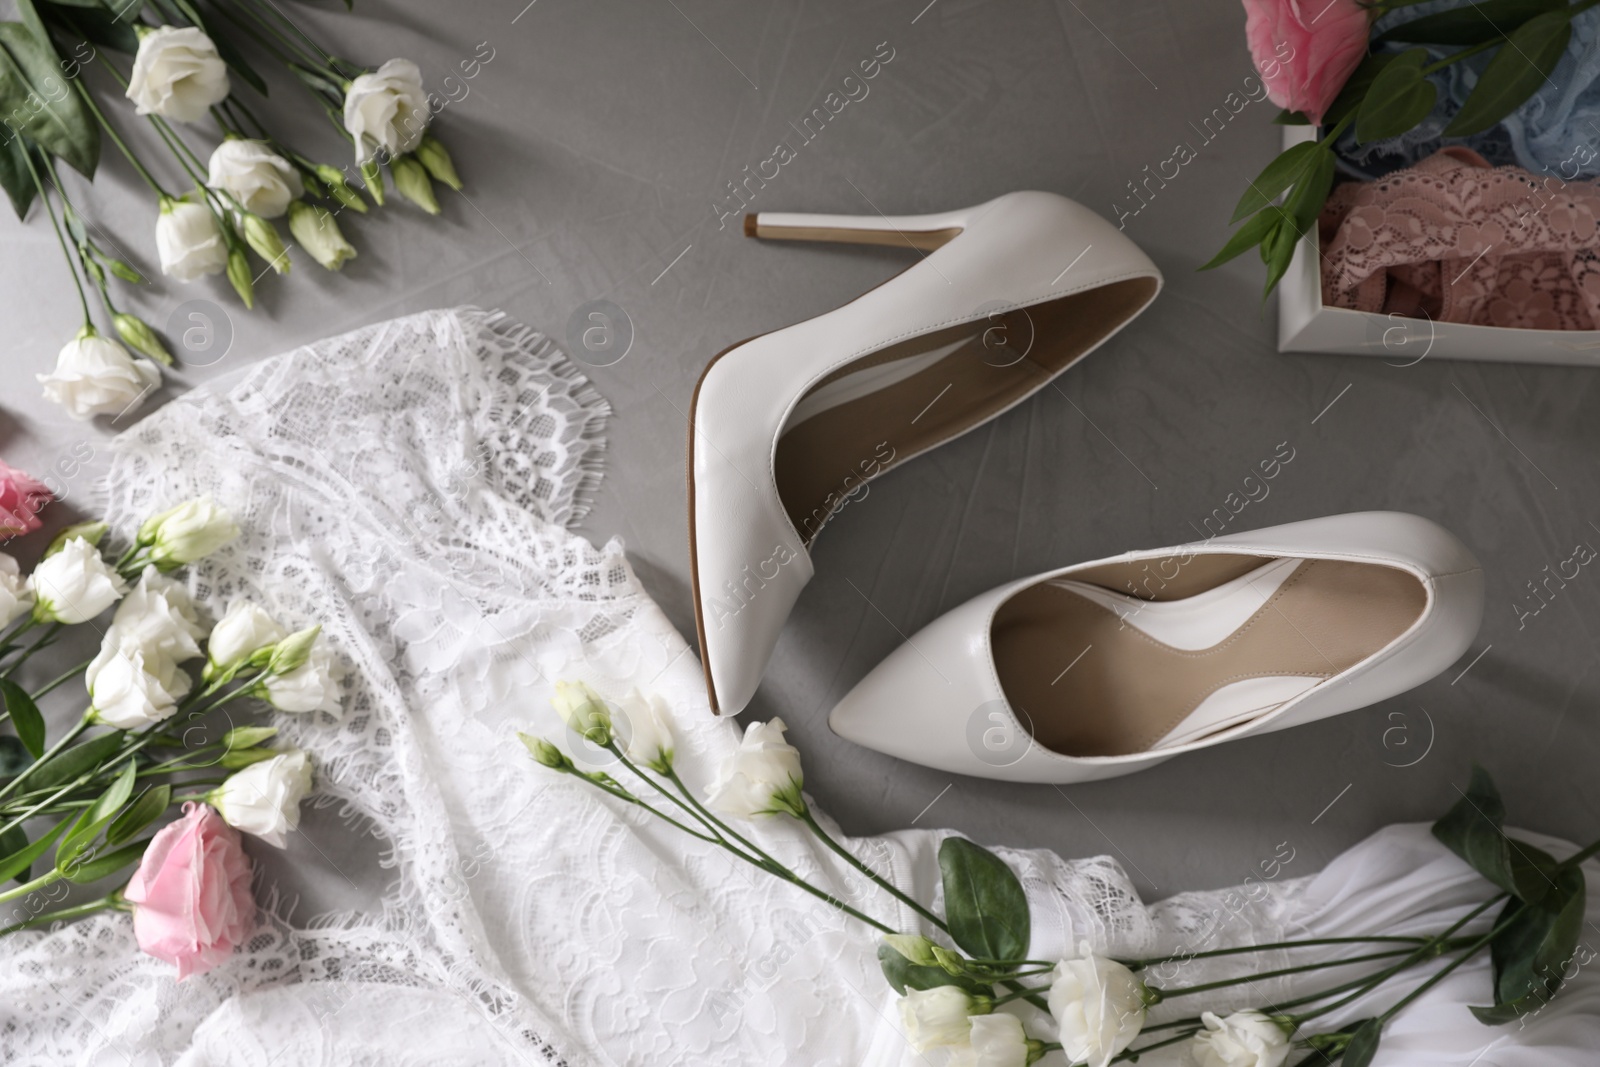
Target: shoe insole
column 876, row 419
column 1092, row 678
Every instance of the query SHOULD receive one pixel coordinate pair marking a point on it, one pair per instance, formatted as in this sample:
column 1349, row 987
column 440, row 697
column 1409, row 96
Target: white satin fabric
column 410, row 486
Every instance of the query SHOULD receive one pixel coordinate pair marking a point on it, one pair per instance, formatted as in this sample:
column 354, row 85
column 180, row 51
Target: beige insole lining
column 1129, row 690
column 822, row 460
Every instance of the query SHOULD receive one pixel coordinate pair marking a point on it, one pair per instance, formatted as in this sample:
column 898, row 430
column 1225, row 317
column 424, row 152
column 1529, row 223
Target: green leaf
column 1517, row 69
column 94, row 24
column 1291, row 118
column 25, row 717
column 1363, row 1044
column 13, row 841
column 1534, row 951
column 18, row 862
column 100, row 865
column 151, row 805
column 1355, row 88
column 902, row 974
column 983, row 902
column 94, row 819
column 69, row 764
column 1471, row 829
column 1475, row 23
column 1399, row 98
column 13, row 757
column 1289, row 167
column 42, row 103
column 1259, row 228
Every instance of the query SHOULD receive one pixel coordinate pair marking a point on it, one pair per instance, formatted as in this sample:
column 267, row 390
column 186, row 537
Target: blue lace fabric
column 1556, row 131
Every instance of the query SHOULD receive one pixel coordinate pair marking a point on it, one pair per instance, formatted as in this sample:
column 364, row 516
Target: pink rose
column 1305, row 50
column 21, row 499
column 191, row 894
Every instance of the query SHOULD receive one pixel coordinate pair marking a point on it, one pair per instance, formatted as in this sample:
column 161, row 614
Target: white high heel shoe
column 787, row 427
column 1105, row 668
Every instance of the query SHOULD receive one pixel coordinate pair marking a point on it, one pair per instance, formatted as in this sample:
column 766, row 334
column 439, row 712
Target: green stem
column 1135, row 1053
column 25, row 888
column 844, row 854
column 74, row 912
column 1143, row 962
column 1420, row 955
column 1444, row 971
column 116, row 139
column 23, row 775
column 45, row 640
column 1183, row 991
column 56, row 682
column 293, row 46
column 61, row 238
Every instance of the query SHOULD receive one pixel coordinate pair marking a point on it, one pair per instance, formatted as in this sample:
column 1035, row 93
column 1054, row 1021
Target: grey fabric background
column 597, row 142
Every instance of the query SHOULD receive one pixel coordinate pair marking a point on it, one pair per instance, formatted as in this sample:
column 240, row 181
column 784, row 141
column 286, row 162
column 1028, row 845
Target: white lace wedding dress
column 410, row 486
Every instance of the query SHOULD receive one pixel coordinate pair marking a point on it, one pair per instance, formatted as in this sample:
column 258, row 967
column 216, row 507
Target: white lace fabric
column 410, row 486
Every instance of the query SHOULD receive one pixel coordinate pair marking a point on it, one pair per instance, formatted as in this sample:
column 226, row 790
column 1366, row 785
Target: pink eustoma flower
column 191, row 894
column 1305, row 50
column 22, row 497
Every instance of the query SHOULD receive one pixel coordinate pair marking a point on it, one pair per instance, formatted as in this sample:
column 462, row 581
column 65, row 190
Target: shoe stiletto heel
column 922, row 232
column 786, row 427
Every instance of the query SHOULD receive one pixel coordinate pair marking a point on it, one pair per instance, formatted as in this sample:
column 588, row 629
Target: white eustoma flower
column 158, row 618
column 1098, row 1006
column 190, row 531
column 256, row 176
column 242, row 632
column 264, row 799
column 75, row 584
column 387, row 110
column 312, row 686
column 189, row 241
column 97, row 376
column 762, row 776
column 16, row 599
column 650, row 741
column 935, row 1018
column 177, row 74
column 996, row 1040
column 1243, row 1039
column 125, row 695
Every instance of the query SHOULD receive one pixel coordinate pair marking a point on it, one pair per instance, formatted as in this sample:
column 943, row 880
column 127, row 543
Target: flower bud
column 125, row 272
column 340, row 189
column 91, row 532
column 372, row 175
column 263, row 237
column 583, row 711
column 544, row 753
column 138, row 335
column 319, row 235
column 438, row 161
column 190, row 531
column 292, row 651
column 411, row 179
column 239, row 275
column 950, row 962
column 914, row 947
column 238, row 759
column 244, row 737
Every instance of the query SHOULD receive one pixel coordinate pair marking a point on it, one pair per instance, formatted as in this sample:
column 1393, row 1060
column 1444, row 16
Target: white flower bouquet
column 961, row 989
column 183, row 79
column 75, row 811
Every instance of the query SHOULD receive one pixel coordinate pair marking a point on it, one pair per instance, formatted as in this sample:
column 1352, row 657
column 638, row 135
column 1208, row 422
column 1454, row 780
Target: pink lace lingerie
column 1455, row 240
